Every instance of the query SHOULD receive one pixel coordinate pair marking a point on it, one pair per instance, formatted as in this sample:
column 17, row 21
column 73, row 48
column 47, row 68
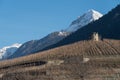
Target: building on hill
column 96, row 36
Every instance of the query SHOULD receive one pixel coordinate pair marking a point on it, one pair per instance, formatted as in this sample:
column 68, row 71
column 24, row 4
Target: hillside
column 108, row 27
column 89, row 49
column 83, row 60
column 33, row 46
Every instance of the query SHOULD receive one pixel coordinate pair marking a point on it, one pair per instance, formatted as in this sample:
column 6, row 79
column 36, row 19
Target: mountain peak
column 92, row 10
column 8, row 50
column 86, row 18
column 95, row 14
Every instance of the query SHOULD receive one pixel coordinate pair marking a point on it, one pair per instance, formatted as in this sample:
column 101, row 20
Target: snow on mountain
column 62, row 33
column 83, row 20
column 7, row 51
column 52, row 38
column 37, row 45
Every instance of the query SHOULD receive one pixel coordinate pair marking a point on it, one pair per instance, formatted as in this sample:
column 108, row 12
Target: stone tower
column 96, row 36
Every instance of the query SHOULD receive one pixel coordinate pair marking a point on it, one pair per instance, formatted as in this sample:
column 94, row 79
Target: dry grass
column 103, row 63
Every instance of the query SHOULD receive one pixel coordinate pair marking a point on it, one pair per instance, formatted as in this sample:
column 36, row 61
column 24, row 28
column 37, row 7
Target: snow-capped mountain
column 36, row 45
column 7, row 51
column 52, row 38
column 83, row 20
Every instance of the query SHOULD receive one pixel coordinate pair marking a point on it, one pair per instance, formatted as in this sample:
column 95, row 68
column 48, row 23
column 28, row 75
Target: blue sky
column 24, row 20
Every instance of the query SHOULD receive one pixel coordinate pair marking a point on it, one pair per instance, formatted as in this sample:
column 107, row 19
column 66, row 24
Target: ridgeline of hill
column 108, row 27
column 83, row 60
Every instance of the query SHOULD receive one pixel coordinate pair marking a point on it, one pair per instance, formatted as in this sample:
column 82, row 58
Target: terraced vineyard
column 84, row 60
column 102, row 49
